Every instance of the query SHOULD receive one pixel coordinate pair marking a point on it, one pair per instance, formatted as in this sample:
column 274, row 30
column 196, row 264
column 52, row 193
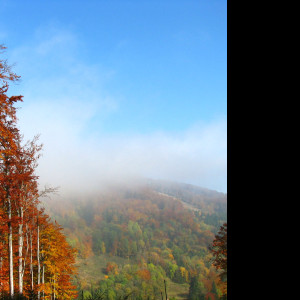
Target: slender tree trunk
column 27, row 250
column 54, row 287
column 166, row 289
column 38, row 257
column 31, row 265
column 1, row 287
column 10, row 251
column 43, row 280
column 21, row 241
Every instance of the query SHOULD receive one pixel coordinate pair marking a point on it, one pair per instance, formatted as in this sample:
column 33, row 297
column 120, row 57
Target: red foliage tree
column 219, row 251
column 28, row 261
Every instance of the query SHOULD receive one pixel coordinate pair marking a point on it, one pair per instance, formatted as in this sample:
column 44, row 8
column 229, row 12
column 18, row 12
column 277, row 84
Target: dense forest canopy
column 140, row 235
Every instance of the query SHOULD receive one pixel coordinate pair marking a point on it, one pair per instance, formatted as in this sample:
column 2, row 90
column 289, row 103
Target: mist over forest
column 107, row 232
column 78, row 164
column 155, row 231
column 113, row 150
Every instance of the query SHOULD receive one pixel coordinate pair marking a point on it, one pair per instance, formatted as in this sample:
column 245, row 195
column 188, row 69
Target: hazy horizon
column 122, row 90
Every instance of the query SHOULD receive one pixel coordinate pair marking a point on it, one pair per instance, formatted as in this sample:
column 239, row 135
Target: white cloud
column 60, row 108
column 77, row 163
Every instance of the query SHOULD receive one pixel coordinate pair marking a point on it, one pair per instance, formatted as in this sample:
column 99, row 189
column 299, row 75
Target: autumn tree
column 8, row 147
column 28, row 261
column 58, row 259
column 219, row 251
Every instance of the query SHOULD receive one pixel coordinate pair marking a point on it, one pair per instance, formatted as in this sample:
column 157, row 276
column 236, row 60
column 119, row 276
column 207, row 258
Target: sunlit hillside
column 132, row 238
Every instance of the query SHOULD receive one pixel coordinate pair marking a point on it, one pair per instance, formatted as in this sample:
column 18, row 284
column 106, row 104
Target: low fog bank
column 83, row 164
column 197, row 157
column 135, row 185
column 70, row 109
column 82, row 157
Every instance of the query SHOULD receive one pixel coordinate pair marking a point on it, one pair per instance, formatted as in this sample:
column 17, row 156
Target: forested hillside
column 130, row 239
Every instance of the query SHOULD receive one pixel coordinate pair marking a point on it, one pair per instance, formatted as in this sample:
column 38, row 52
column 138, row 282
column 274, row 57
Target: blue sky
column 141, row 86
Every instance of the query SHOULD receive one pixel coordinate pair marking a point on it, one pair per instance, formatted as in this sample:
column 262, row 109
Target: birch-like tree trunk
column 31, row 265
column 27, row 250
column 43, row 280
column 20, row 242
column 38, row 256
column 10, row 250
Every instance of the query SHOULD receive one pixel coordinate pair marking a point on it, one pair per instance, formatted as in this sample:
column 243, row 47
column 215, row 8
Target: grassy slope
column 179, row 291
column 91, row 271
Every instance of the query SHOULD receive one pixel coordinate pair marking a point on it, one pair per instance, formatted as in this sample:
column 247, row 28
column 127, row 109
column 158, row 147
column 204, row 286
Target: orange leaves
column 219, row 249
column 171, row 256
column 58, row 259
column 112, row 267
column 144, row 274
column 31, row 247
